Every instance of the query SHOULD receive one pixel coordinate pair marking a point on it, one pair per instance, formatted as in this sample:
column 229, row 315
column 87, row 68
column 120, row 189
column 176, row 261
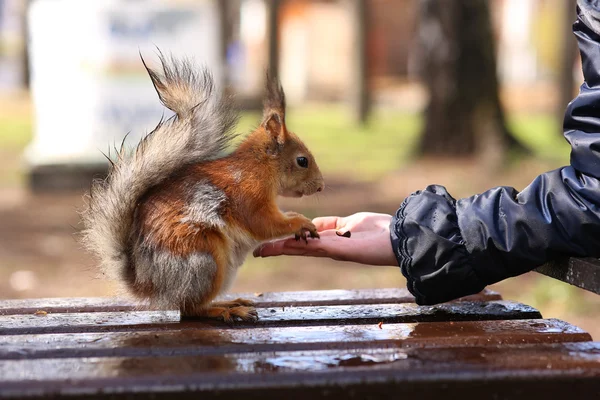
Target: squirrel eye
column 302, row 162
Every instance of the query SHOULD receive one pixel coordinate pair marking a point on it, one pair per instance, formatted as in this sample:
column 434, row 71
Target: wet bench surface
column 319, row 344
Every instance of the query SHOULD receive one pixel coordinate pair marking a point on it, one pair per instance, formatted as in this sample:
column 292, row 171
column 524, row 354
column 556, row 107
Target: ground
column 366, row 169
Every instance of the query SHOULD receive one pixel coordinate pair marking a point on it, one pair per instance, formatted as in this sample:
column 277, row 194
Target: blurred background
column 390, row 95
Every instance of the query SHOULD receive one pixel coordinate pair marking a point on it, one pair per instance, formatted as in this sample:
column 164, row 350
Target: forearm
column 449, row 249
column 511, row 233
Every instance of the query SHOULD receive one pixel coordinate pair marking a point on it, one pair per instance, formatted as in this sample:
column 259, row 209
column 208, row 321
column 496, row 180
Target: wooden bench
column 581, row 272
column 321, row 344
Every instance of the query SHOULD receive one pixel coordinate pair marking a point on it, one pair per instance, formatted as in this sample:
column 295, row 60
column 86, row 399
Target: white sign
column 88, row 83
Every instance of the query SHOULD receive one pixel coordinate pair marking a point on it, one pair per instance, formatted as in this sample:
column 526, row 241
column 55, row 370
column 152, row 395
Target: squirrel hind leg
column 179, row 281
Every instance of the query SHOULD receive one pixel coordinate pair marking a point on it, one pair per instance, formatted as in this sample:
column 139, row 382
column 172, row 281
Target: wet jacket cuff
column 430, row 249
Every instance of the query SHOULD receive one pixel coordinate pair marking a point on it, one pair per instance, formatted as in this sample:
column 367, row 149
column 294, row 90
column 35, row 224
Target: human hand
column 369, row 242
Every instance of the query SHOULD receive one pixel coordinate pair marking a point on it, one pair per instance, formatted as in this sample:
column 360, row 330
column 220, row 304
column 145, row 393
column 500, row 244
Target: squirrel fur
column 177, row 215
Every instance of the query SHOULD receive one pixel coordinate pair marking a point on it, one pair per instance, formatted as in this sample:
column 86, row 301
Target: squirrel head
column 298, row 174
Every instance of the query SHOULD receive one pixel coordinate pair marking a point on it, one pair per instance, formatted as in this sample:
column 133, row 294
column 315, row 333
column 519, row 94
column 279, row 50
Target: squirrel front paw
column 307, row 229
column 302, row 234
column 301, row 226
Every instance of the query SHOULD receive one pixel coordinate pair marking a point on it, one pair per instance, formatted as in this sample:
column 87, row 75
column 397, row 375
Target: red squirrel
column 176, row 216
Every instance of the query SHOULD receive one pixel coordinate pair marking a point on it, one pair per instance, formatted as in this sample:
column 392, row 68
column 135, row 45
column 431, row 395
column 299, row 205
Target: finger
column 275, row 247
column 325, row 223
column 361, row 248
column 290, row 247
column 329, row 245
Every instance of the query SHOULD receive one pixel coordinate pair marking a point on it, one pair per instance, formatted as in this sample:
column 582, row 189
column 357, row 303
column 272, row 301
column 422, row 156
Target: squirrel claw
column 303, row 234
column 248, row 314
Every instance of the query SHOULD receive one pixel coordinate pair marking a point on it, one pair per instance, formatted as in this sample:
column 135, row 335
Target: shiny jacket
column 448, row 249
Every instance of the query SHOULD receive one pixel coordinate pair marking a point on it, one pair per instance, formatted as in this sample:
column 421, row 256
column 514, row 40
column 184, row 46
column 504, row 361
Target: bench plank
column 264, row 300
column 517, row 372
column 581, row 272
column 297, row 316
column 222, row 341
column 335, row 344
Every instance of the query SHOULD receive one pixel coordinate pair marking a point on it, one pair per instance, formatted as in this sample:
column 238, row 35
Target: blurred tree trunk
column 464, row 116
column 273, row 31
column 360, row 95
column 568, row 55
column 25, row 55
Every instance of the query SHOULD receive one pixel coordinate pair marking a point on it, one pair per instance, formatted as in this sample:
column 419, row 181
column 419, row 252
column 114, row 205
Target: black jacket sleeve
column 448, row 249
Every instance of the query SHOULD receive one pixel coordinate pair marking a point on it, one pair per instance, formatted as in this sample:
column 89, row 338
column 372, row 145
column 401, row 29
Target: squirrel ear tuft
column 274, row 100
column 274, row 110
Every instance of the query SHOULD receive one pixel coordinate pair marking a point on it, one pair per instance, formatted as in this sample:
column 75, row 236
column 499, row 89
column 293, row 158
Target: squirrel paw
column 305, row 225
column 224, row 311
column 229, row 314
column 248, row 314
column 233, row 303
column 310, row 230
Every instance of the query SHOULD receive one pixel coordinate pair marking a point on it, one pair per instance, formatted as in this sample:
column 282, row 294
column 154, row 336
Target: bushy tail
column 200, row 130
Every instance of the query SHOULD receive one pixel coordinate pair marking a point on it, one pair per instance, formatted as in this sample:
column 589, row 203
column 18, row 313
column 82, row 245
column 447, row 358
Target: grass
column 387, row 142
column 15, row 132
column 341, row 147
column 540, row 134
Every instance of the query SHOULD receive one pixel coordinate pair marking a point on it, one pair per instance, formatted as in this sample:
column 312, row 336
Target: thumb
column 327, row 223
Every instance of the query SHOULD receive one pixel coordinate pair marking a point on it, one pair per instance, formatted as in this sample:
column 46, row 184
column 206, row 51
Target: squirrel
column 176, row 216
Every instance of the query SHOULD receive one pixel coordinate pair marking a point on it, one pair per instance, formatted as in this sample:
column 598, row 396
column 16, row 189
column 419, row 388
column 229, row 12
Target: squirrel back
column 201, row 130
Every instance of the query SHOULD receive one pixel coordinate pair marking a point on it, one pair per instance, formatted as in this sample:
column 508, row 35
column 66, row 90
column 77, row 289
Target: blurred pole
column 228, row 12
column 273, row 32
column 360, row 88
column 568, row 55
column 224, row 39
column 25, row 49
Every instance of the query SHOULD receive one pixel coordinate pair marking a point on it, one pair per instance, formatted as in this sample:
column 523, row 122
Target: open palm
column 369, row 242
